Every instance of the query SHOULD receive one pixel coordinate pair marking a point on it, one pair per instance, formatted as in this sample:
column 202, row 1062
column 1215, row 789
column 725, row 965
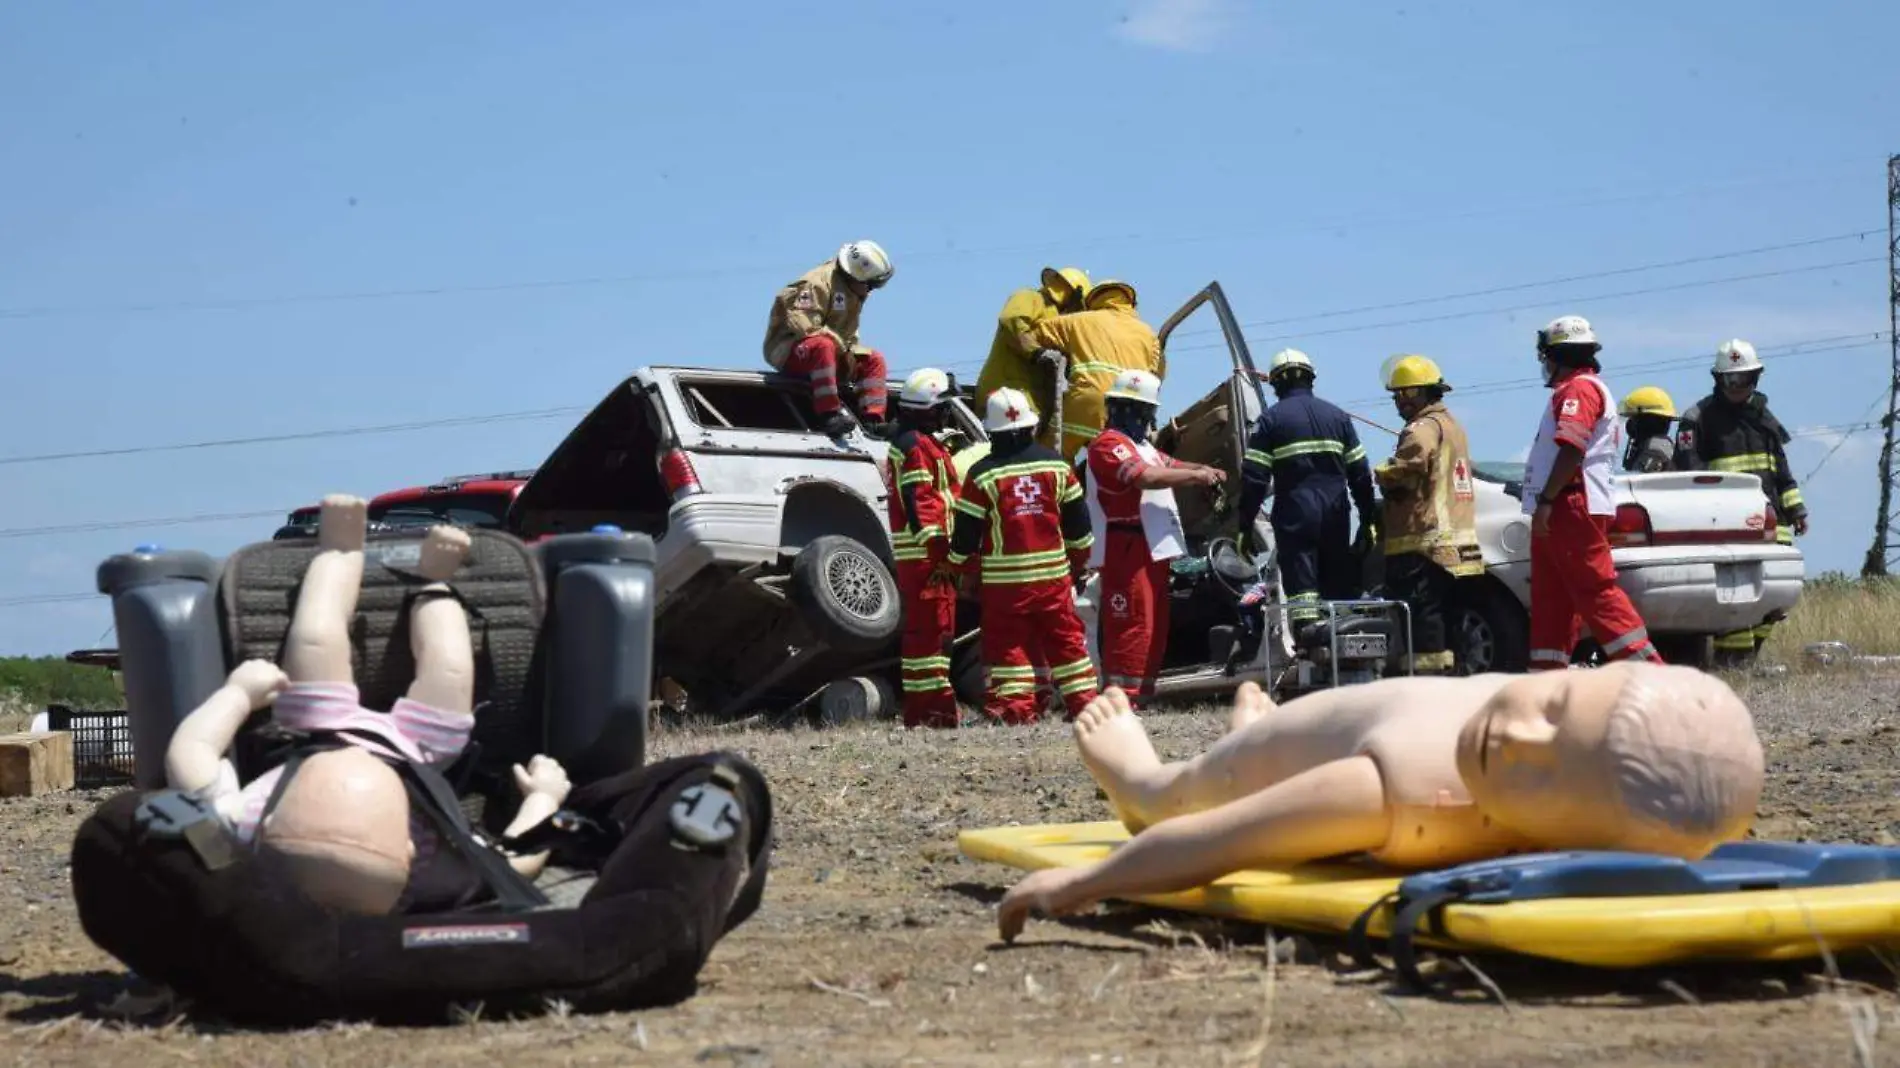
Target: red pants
column 1021, row 620
column 930, row 621
column 817, row 356
column 1573, row 582
column 1133, row 613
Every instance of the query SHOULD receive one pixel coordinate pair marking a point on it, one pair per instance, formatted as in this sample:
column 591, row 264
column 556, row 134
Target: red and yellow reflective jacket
column 1024, row 516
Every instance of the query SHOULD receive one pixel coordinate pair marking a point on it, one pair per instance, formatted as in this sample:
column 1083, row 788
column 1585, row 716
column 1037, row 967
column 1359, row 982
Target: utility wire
column 304, row 435
column 129, row 524
column 1494, row 290
column 1226, row 234
column 1505, row 309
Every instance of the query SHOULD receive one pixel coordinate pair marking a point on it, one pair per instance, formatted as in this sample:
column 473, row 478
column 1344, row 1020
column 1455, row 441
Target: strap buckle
column 174, row 815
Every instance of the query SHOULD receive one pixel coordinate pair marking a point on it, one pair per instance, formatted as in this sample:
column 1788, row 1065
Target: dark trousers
column 1427, row 590
column 1312, row 536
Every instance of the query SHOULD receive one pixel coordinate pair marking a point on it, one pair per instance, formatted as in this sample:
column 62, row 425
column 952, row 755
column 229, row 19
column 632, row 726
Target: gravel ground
column 876, row 943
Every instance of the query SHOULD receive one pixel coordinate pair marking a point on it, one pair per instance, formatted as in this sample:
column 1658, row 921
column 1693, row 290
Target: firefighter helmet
column 867, row 262
column 926, row 387
column 1061, row 285
column 1008, row 409
column 1410, row 371
column 1287, row 360
column 1103, row 294
column 1568, row 330
column 1647, row 400
column 1138, row 386
column 1735, row 356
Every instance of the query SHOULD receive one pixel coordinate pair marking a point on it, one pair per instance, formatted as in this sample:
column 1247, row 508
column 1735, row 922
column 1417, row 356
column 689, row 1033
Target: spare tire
column 846, row 594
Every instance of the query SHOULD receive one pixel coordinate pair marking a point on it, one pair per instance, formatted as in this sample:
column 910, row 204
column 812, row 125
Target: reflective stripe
column 1550, row 656
column 1739, row 640
column 1079, row 430
column 1629, row 638
column 1355, row 454
column 1310, row 447
column 1255, row 456
column 1428, row 540
column 1073, row 668
column 1432, row 661
column 1744, row 463
column 1791, row 497
column 1012, row 671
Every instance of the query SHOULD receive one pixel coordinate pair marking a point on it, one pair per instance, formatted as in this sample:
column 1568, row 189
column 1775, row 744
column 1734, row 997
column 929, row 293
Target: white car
column 1696, row 551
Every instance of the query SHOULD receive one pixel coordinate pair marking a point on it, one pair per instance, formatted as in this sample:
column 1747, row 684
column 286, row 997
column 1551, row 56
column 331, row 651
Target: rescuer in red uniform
column 1020, row 512
column 921, row 485
column 1569, row 496
column 1130, row 491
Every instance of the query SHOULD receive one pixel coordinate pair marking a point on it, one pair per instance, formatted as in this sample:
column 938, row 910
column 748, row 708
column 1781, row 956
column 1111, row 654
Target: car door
column 1214, row 429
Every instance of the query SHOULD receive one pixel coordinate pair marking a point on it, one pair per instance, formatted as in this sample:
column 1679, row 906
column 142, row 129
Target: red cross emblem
column 1012, row 414
column 1735, row 357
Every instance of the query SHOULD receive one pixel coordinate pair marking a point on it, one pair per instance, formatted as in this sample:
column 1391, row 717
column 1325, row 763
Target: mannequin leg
column 317, row 648
column 438, row 628
column 1142, row 790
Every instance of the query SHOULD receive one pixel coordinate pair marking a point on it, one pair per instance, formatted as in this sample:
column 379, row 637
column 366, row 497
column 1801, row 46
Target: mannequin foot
column 444, row 549
column 1250, row 703
column 342, row 523
column 1118, row 753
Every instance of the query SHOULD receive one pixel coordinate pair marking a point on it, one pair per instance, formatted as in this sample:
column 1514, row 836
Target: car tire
column 1490, row 630
column 967, row 677
column 846, row 594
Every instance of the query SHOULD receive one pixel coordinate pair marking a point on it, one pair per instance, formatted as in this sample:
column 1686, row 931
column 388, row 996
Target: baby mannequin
column 1418, row 772
column 343, row 828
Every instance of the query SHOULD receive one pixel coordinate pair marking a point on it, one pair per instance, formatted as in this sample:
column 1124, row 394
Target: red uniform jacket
column 1023, row 514
column 922, row 491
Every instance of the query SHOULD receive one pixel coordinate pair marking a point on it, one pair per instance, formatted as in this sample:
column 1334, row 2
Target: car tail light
column 1630, row 526
column 676, row 469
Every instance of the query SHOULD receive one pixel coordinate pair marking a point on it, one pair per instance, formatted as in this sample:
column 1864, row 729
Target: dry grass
column 1866, row 616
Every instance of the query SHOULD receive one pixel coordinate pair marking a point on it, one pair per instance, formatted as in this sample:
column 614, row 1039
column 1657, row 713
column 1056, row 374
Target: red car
column 479, row 500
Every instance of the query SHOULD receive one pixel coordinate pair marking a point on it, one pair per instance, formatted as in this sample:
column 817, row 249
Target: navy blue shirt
column 1304, row 441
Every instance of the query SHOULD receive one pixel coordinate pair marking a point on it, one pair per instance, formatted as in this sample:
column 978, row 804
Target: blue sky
column 238, row 220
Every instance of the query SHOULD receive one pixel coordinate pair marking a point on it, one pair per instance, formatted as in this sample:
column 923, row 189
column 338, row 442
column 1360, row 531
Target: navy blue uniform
column 1309, row 449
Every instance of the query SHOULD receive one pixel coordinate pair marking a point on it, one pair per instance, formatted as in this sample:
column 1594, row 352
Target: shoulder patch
column 1569, row 406
column 837, row 301
column 804, row 299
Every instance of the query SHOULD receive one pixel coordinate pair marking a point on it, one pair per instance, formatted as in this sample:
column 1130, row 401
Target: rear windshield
column 463, row 509
column 745, row 405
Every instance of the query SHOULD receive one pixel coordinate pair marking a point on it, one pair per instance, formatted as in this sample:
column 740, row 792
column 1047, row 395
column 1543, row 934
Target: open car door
column 1214, row 429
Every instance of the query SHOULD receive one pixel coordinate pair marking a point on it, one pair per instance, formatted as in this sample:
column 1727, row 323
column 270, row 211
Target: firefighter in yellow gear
column 1429, row 521
column 1009, row 364
column 1099, row 342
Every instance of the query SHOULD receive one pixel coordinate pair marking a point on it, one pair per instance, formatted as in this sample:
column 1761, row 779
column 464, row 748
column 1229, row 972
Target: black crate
column 102, row 744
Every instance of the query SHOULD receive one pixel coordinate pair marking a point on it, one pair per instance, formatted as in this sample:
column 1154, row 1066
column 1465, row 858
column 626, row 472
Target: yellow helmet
column 1648, row 400
column 1105, row 294
column 1408, row 371
column 1058, row 285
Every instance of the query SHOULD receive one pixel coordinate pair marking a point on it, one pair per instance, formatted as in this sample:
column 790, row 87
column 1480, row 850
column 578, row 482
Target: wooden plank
column 35, row 762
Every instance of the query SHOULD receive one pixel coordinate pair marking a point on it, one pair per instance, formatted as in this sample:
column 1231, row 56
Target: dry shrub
column 1865, row 614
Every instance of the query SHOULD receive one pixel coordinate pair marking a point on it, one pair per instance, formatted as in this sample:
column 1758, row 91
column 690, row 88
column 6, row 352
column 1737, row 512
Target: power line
column 1227, row 234
column 130, row 524
column 1494, row 290
column 46, row 598
column 305, row 435
column 1672, row 287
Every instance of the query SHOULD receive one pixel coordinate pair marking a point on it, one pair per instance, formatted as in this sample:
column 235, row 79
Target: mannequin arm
column 198, row 745
column 544, row 788
column 1325, row 811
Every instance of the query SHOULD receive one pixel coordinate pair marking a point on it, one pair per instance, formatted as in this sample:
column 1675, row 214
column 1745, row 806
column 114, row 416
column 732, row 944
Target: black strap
column 513, row 891
column 1429, row 907
column 173, row 814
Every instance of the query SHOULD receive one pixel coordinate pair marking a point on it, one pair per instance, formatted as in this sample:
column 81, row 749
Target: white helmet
column 1568, row 330
column 926, row 387
column 1286, row 360
column 1735, row 356
column 867, row 262
column 1136, row 386
column 1009, row 409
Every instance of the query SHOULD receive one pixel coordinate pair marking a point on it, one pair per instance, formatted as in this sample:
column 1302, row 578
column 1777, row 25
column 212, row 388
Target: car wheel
column 967, row 677
column 1491, row 632
column 846, row 593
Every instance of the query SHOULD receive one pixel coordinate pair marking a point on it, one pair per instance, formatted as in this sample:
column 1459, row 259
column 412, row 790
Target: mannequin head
column 1634, row 756
column 341, row 832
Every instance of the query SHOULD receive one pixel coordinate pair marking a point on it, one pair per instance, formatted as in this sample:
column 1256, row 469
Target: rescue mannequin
column 1418, row 773
column 342, row 827
column 1129, row 485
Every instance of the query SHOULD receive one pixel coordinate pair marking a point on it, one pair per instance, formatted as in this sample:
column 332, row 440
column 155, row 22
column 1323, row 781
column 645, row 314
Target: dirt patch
column 876, row 943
